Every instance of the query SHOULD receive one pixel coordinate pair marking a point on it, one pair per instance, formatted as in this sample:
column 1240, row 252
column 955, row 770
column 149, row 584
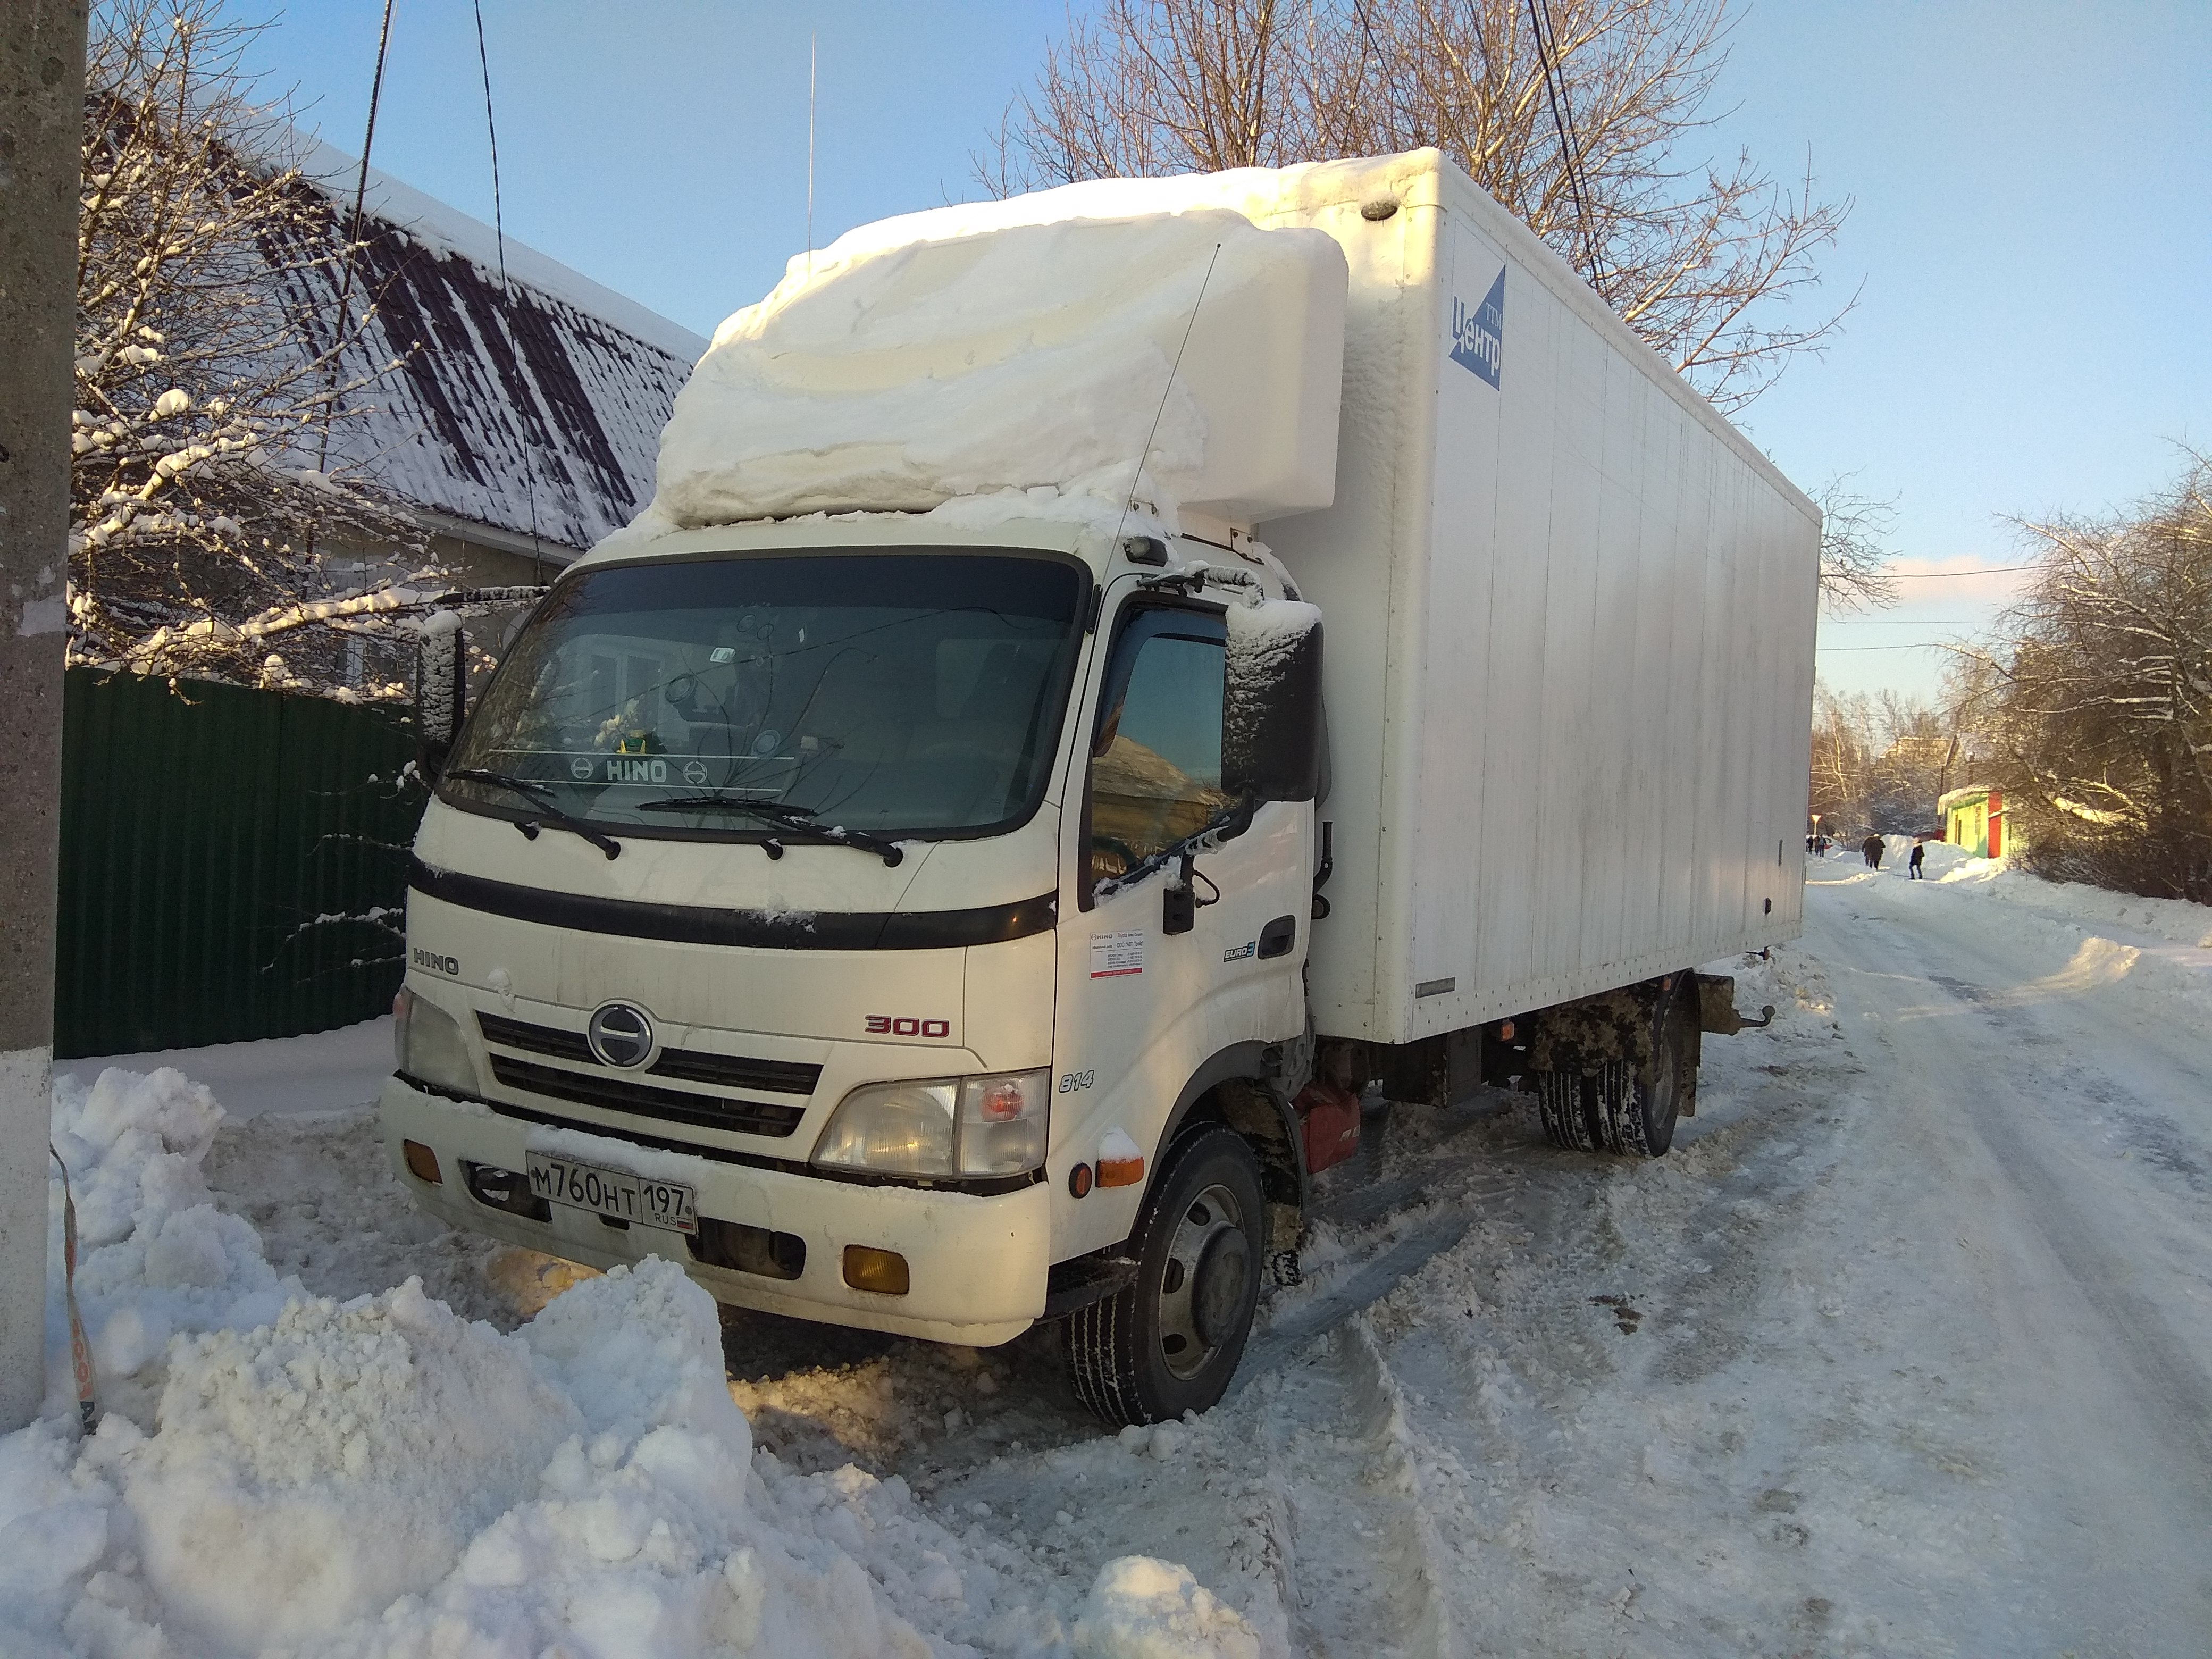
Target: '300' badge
column 907, row 1025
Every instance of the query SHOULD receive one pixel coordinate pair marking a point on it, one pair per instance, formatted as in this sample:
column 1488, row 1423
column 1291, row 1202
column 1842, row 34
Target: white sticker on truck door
column 1113, row 955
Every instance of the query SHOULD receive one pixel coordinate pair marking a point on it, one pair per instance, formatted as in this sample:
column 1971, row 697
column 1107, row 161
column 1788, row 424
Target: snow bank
column 2088, row 941
column 1018, row 344
column 379, row 1477
column 154, row 1256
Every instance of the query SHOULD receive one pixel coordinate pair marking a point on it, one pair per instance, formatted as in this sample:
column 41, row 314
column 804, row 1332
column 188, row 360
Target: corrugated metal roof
column 538, row 410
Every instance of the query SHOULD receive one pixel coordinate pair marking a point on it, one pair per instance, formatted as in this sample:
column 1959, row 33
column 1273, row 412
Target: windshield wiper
column 542, row 797
column 791, row 818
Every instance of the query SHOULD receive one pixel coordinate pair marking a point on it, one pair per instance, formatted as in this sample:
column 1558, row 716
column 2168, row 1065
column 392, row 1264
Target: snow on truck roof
column 1028, row 344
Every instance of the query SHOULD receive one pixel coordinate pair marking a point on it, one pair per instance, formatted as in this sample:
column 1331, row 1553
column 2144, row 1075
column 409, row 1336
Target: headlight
column 430, row 1045
column 972, row 1126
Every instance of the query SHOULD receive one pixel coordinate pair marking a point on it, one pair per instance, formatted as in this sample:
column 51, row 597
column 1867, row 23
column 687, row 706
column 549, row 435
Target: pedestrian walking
column 1871, row 849
column 1912, row 865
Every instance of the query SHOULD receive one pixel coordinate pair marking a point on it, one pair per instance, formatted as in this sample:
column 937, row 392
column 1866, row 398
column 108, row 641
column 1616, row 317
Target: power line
column 506, row 293
column 1563, row 124
column 345, row 277
column 361, row 179
column 1936, row 575
column 1923, row 645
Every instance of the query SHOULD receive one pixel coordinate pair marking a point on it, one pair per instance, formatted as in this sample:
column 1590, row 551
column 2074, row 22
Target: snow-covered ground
column 329, row 1071
column 1907, row 1348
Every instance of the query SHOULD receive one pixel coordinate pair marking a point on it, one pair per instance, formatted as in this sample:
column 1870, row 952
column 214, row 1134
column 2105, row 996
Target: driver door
column 1142, row 1007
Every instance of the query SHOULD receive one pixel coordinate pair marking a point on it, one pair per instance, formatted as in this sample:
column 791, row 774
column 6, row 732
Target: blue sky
column 2030, row 226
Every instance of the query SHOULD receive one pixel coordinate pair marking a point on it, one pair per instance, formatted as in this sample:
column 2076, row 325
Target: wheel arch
column 1236, row 1089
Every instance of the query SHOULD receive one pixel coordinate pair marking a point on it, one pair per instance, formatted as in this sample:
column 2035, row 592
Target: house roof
column 532, row 412
column 1965, row 796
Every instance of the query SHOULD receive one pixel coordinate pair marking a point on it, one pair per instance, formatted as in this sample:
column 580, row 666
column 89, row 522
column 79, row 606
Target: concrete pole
column 41, row 143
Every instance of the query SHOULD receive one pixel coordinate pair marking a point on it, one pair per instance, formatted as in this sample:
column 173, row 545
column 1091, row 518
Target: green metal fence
column 205, row 831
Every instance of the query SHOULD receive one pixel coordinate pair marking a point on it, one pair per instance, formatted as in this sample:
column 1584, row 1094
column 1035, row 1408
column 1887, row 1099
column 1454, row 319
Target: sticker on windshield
column 1113, row 955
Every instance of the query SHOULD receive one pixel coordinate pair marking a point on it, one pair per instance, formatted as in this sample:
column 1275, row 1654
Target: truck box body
column 1569, row 615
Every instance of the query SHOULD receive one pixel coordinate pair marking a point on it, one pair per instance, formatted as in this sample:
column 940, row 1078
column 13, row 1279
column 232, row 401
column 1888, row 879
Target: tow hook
column 1716, row 1009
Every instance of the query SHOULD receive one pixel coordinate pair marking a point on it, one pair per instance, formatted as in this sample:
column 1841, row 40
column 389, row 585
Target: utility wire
column 1937, row 575
column 506, row 295
column 1563, row 124
column 361, row 179
column 345, row 277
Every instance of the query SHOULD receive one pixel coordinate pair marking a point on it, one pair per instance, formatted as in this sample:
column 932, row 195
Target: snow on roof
column 535, row 411
column 1031, row 343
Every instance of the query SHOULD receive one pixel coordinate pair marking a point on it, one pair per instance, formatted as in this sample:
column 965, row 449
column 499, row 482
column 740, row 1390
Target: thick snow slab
column 1029, row 342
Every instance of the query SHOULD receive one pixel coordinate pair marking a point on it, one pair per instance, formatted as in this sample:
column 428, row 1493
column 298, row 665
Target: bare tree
column 1855, row 531
column 217, row 511
column 1700, row 259
column 2097, row 698
column 1842, row 744
column 1882, row 762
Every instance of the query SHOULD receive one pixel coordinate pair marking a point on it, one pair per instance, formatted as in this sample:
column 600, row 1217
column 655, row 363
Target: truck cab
column 899, row 925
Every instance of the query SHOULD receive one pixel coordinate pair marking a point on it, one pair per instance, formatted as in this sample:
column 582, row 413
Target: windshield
column 908, row 693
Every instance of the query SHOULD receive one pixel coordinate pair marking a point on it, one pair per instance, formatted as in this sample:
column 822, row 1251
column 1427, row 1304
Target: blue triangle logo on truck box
column 1478, row 332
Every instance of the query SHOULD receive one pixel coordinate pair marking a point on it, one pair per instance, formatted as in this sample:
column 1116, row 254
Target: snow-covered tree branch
column 216, row 500
column 2098, row 696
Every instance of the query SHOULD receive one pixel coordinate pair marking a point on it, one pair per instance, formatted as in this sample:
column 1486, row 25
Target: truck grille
column 775, row 1077
column 616, row 1094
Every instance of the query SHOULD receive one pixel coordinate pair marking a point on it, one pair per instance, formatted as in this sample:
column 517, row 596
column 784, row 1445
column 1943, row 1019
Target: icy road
column 1907, row 1349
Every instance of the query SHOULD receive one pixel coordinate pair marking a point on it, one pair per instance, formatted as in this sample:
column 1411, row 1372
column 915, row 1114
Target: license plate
column 614, row 1193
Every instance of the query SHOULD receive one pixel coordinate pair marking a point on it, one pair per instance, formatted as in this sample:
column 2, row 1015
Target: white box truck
column 928, row 874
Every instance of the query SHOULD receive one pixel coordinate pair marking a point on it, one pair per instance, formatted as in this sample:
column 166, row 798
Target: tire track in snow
column 2168, row 1381
column 1362, row 1561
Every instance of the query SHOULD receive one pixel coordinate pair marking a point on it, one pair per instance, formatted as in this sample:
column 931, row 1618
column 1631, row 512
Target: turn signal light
column 422, row 1163
column 1121, row 1172
column 884, row 1271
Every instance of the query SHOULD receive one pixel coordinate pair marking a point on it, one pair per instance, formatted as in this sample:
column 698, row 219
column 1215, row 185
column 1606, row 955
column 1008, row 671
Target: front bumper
column 977, row 1265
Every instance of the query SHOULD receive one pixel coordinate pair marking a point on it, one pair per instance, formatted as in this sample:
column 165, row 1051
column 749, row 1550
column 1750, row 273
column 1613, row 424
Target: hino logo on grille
column 620, row 1034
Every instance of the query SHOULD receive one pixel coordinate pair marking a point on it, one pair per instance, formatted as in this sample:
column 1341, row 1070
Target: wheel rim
column 1202, row 1285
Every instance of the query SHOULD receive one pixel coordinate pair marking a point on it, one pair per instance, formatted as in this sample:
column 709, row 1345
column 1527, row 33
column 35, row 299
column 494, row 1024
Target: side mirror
column 441, row 690
column 1273, row 736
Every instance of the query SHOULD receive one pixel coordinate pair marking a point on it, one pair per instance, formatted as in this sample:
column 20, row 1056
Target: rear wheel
column 1621, row 1107
column 1169, row 1342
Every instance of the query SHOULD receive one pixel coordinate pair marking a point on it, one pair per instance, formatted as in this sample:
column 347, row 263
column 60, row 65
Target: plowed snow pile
column 279, row 1472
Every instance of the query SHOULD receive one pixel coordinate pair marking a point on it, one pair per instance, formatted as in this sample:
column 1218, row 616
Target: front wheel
column 1169, row 1341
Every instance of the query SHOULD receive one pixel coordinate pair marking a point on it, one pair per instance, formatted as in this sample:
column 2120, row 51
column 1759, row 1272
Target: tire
column 1168, row 1342
column 1630, row 1111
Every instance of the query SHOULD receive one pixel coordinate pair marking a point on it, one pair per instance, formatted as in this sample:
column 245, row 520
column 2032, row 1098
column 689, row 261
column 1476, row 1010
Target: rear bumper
column 977, row 1265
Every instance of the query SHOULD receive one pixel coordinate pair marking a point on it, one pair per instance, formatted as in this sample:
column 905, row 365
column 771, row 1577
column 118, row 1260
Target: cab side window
column 1156, row 760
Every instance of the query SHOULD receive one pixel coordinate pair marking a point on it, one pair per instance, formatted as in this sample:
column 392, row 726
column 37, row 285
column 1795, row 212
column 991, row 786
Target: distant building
column 1974, row 817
